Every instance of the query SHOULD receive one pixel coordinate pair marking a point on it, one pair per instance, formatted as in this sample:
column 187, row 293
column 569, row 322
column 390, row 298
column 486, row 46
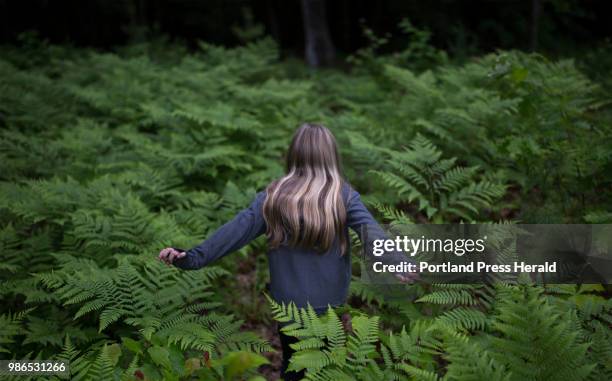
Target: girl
column 305, row 215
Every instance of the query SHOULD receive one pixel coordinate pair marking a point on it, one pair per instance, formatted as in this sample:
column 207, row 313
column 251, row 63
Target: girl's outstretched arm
column 247, row 225
column 361, row 220
column 363, row 223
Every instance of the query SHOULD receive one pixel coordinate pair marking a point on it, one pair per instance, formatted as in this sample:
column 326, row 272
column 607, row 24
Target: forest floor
column 246, row 281
column 269, row 333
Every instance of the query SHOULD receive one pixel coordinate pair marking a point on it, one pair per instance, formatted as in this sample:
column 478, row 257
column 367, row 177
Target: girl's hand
column 408, row 278
column 170, row 254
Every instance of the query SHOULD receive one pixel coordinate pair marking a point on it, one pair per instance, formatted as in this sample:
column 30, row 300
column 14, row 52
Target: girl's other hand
column 170, row 254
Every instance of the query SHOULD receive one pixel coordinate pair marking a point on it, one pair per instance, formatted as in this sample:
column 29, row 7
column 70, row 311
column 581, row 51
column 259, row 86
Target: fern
column 12, row 327
column 439, row 188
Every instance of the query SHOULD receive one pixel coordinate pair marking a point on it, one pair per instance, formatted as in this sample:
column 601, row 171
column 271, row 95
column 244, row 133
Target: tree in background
column 320, row 49
column 536, row 10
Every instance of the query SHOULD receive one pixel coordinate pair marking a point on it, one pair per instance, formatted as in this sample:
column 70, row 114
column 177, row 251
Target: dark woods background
column 461, row 27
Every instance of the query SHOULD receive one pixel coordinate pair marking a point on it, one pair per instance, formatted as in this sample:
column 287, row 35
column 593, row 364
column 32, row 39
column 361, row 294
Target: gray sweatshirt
column 298, row 275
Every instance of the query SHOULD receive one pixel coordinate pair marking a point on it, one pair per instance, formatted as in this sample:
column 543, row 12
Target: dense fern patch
column 108, row 157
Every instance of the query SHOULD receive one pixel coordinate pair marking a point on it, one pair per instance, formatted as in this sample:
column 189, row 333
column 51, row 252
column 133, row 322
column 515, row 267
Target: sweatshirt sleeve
column 363, row 223
column 247, row 225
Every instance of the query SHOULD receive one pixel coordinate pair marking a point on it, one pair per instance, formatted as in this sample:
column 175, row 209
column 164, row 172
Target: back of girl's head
column 305, row 206
column 313, row 148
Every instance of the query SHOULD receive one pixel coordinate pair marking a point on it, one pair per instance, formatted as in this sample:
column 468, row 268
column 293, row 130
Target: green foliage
column 541, row 128
column 441, row 189
column 132, row 163
column 525, row 336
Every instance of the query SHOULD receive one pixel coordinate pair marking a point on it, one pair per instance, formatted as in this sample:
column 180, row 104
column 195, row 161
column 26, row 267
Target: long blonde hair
column 305, row 207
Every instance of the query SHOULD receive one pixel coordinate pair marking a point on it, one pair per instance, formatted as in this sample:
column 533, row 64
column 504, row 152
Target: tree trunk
column 137, row 28
column 320, row 50
column 536, row 9
column 346, row 25
column 274, row 30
